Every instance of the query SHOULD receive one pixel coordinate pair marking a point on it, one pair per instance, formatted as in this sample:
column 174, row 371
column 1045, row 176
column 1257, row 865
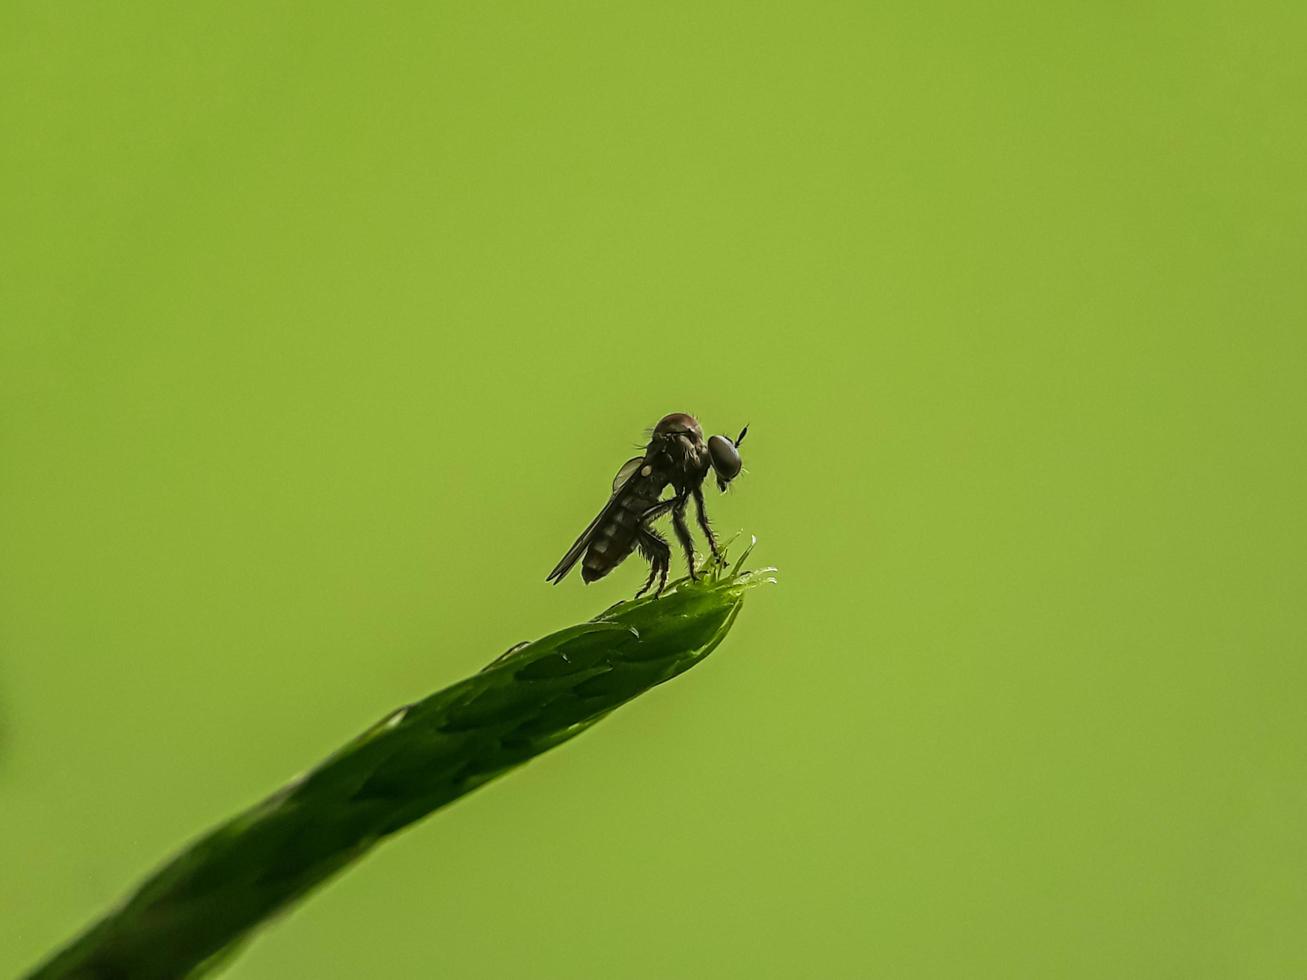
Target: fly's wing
column 624, row 476
column 574, row 553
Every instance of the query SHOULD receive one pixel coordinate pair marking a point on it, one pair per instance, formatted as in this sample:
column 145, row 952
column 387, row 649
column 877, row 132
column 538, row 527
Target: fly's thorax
column 678, row 422
column 680, row 438
column 678, row 454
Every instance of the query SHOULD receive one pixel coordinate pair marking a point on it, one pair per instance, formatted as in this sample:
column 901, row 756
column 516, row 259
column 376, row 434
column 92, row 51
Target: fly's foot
column 720, row 564
column 648, row 582
column 654, row 569
column 712, row 546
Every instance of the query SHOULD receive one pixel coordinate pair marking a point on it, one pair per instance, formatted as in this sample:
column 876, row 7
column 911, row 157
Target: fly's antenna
column 741, row 438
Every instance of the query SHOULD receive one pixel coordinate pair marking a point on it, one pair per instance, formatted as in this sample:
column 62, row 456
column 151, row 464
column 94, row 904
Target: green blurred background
column 323, row 328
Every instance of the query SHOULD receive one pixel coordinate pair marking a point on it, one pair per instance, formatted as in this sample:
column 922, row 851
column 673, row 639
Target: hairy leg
column 683, row 534
column 658, row 510
column 703, row 522
column 654, row 547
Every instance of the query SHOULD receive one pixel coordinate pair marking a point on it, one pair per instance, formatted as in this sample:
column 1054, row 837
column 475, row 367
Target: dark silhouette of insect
column 678, row 455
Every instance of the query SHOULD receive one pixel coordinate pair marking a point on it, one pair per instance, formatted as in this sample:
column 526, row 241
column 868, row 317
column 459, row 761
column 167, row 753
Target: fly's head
column 725, row 457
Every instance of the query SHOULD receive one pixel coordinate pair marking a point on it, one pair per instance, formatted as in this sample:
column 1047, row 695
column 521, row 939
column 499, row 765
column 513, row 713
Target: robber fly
column 676, row 455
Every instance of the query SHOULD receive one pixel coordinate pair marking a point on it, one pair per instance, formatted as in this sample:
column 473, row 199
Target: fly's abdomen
column 615, row 540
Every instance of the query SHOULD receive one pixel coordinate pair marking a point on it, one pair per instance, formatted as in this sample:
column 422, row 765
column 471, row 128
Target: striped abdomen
column 614, row 540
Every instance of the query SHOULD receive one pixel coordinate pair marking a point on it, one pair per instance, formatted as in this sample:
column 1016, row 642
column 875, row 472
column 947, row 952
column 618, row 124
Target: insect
column 678, row 455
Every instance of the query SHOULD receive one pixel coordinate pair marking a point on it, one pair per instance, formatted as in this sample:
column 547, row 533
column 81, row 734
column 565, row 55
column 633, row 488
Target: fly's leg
column 703, row 523
column 653, row 570
column 657, row 510
column 683, row 534
column 659, row 555
column 654, row 547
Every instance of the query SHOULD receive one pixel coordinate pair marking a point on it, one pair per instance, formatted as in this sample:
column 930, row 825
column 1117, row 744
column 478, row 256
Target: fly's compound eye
column 725, row 459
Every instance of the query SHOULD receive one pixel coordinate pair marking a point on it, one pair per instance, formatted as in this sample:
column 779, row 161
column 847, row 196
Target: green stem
column 189, row 916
